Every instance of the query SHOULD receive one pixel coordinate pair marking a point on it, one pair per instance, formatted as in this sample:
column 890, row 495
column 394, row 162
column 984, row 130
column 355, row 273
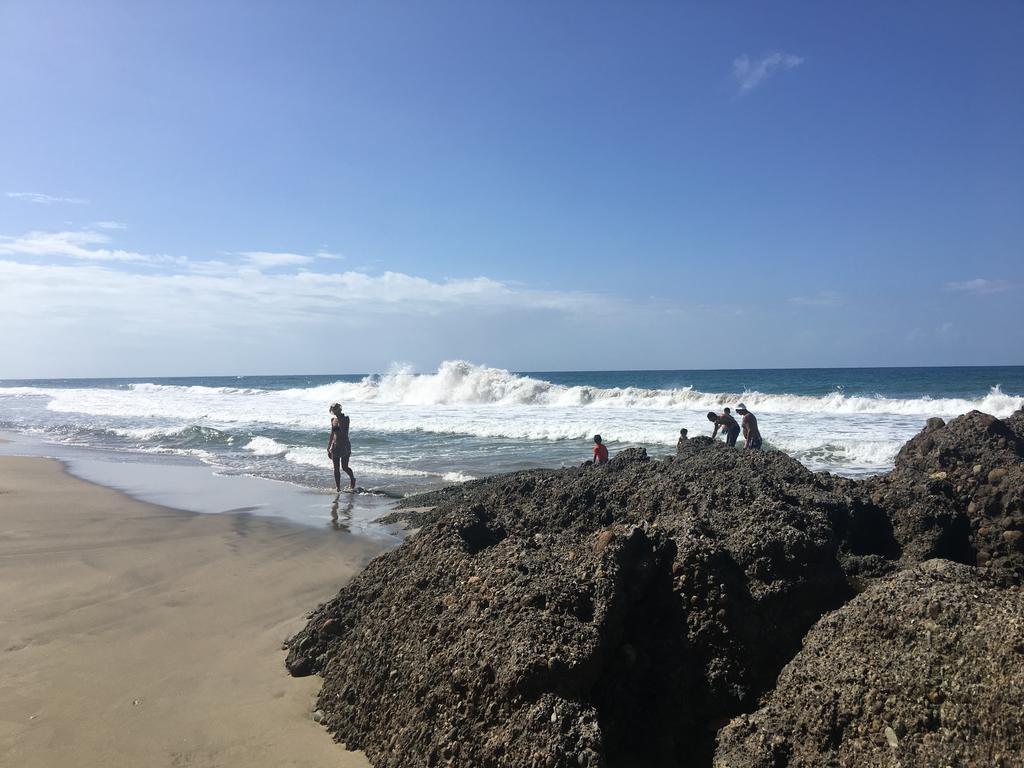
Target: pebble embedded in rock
column 890, row 736
column 331, row 627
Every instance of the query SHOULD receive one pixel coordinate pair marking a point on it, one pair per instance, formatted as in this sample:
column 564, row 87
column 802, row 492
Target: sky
column 196, row 188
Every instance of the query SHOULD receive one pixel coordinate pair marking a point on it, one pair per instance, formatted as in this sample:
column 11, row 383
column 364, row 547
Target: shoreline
column 192, row 486
column 135, row 634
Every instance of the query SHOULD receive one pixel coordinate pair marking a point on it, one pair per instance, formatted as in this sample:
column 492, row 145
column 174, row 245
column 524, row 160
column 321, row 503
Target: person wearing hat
column 727, row 424
column 751, row 434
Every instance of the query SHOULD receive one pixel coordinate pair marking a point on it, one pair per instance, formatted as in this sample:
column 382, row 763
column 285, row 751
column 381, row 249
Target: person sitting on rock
column 751, row 434
column 600, row 451
column 682, row 440
column 727, row 424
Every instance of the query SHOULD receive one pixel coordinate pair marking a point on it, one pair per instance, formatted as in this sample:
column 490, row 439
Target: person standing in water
column 339, row 449
column 751, row 434
column 727, row 424
column 600, row 451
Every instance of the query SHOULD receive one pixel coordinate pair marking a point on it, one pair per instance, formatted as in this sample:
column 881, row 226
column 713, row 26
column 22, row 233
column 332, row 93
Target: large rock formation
column 925, row 668
column 622, row 614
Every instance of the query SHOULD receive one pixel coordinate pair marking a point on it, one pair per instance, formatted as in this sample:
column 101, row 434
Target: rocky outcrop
column 622, row 614
column 957, row 492
column 476, row 647
column 924, row 668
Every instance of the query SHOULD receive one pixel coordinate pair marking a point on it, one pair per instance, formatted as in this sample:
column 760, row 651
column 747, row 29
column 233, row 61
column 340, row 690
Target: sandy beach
column 134, row 635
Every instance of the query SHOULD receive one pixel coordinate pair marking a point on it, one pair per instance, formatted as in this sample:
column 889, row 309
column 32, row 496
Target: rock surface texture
column 621, row 615
column 925, row 668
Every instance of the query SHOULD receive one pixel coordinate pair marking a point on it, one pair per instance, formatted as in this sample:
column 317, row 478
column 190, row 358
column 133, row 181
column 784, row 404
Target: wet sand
column 134, row 635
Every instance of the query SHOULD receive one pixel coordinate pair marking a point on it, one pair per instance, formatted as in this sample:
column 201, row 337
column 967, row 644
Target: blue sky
column 256, row 187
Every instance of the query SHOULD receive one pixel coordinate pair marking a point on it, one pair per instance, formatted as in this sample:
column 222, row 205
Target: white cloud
column 749, row 74
column 979, row 286
column 39, row 197
column 272, row 259
column 264, row 287
column 820, row 299
column 79, row 244
column 110, row 225
column 168, row 303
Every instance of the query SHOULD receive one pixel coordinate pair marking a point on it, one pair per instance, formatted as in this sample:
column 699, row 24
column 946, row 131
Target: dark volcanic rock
column 957, row 492
column 923, row 669
column 475, row 647
column 619, row 615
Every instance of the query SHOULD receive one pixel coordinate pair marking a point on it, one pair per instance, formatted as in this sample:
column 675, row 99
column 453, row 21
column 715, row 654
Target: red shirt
column 600, row 453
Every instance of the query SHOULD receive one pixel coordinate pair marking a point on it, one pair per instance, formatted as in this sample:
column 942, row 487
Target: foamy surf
column 461, row 421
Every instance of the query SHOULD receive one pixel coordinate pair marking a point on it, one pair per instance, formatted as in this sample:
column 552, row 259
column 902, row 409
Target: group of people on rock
column 339, row 447
column 723, row 421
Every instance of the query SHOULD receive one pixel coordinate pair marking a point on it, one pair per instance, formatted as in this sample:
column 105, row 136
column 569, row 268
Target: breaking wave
column 458, row 383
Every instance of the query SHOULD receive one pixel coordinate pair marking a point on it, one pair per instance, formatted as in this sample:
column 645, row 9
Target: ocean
column 414, row 432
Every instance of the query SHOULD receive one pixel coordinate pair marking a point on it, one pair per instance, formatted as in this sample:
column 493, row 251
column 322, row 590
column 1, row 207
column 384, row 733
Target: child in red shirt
column 600, row 451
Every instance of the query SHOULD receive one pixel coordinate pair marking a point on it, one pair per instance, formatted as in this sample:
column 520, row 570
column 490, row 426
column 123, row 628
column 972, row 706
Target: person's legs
column 337, row 471
column 730, row 439
column 348, row 471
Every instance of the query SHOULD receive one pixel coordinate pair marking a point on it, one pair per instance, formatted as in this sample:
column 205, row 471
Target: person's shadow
column 341, row 513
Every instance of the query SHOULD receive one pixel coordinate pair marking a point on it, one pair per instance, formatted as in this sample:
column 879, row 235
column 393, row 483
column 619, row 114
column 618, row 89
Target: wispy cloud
column 273, row 259
column 276, row 259
column 247, row 288
column 109, row 225
column 39, row 197
column 819, row 299
column 749, row 74
column 83, row 245
column 979, row 286
column 261, row 300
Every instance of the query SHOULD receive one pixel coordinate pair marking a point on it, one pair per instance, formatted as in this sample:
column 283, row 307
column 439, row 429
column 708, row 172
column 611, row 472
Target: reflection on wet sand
column 341, row 513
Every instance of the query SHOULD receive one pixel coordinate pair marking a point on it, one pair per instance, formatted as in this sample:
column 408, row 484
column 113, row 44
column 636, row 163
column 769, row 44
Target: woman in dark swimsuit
column 339, row 449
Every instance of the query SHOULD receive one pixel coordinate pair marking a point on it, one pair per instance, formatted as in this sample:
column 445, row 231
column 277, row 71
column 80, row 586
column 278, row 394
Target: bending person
column 727, row 424
column 339, row 449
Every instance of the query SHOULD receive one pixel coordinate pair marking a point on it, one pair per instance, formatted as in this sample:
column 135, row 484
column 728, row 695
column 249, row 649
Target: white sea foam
column 852, row 453
column 266, row 446
column 317, row 457
column 150, row 433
